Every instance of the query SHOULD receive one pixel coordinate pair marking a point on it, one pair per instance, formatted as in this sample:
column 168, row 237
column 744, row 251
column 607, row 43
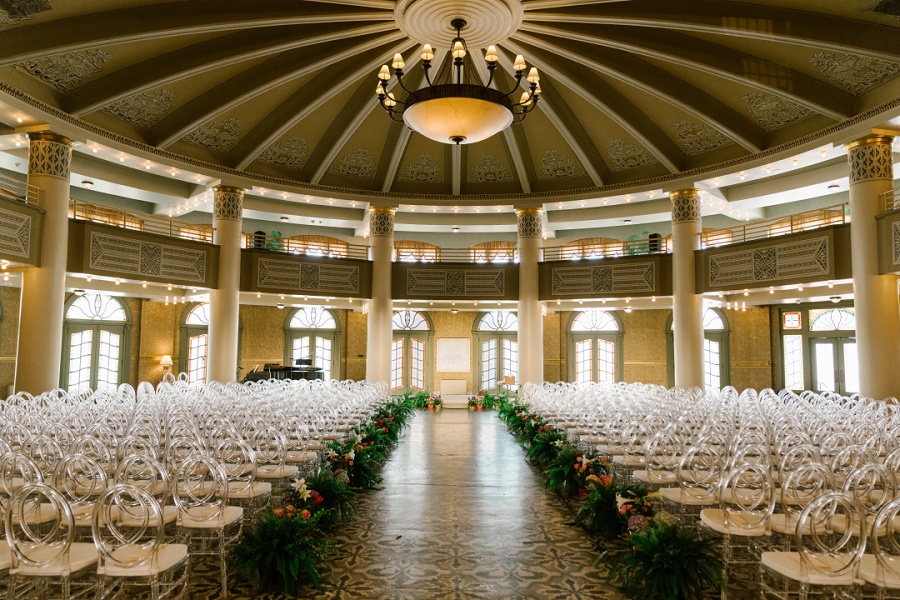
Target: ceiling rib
column 397, row 142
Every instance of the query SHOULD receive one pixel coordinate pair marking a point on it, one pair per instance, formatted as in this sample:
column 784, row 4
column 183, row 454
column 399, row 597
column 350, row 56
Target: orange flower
column 279, row 512
column 305, row 514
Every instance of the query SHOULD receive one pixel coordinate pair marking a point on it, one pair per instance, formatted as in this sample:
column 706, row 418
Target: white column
column 531, row 326
column 687, row 304
column 39, row 350
column 874, row 295
column 224, row 302
column 378, row 340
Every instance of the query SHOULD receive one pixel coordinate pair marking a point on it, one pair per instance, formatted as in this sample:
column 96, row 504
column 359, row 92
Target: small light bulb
column 427, row 52
column 491, row 54
column 384, row 74
column 458, row 50
column 398, row 61
column 533, row 76
column 519, row 64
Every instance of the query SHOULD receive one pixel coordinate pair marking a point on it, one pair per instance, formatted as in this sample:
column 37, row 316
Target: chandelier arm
column 399, row 75
column 426, row 65
column 491, row 68
column 519, row 76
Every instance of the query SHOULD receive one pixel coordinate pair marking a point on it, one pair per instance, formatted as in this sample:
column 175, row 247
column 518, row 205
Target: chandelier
column 458, row 112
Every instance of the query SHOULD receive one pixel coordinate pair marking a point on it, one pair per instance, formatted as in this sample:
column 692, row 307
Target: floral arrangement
column 434, row 402
column 611, row 507
column 325, row 491
column 660, row 560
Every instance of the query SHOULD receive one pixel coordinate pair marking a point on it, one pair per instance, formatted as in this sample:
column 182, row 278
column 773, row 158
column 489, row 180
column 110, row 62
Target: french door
column 835, row 365
column 95, row 354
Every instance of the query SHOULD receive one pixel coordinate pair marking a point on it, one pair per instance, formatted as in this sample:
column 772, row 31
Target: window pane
column 410, row 320
column 793, row 362
column 301, row 347
column 108, row 361
column 417, row 364
column 199, row 315
column 712, row 320
column 790, row 320
column 489, row 364
column 312, row 317
column 323, row 356
column 824, row 375
column 711, row 363
column 583, row 352
column 606, row 361
column 397, row 363
column 80, row 359
column 851, row 368
column 499, row 320
column 510, row 358
column 197, row 347
column 96, row 307
column 832, row 319
column 595, row 320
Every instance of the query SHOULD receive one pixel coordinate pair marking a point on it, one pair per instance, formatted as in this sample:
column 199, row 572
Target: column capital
column 49, row 155
column 685, row 205
column 381, row 221
column 228, row 202
column 871, row 158
column 530, row 224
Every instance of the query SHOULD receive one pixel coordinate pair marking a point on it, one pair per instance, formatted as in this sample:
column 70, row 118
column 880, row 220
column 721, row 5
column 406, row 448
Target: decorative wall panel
column 626, row 278
column 15, row 233
column 477, row 283
column 896, row 239
column 308, row 277
column 789, row 261
column 137, row 258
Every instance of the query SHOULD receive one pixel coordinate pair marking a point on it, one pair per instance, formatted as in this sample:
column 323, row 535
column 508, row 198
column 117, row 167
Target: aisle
column 462, row 515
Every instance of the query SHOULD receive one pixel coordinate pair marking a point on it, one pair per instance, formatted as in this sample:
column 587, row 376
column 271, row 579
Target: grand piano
column 301, row 369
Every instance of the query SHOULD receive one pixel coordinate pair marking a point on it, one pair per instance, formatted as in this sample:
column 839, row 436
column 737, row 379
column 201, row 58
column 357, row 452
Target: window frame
column 333, row 335
column 722, row 336
column 407, row 335
column 616, row 337
column 120, row 328
column 187, row 331
column 479, row 337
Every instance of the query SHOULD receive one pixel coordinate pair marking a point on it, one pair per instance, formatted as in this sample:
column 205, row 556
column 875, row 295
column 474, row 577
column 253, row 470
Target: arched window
column 716, row 356
column 496, row 349
column 595, row 347
column 96, row 348
column 411, row 350
column 195, row 342
column 312, row 332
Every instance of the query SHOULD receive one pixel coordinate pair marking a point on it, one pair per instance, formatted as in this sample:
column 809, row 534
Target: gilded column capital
column 685, row 205
column 530, row 224
column 228, row 203
column 49, row 155
column 871, row 158
column 381, row 221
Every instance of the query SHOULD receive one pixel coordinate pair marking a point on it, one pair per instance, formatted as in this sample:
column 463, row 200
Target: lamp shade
column 461, row 114
column 166, row 361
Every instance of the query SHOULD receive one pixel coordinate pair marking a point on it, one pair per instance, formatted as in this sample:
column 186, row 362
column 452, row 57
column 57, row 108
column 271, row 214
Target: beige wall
column 448, row 325
column 645, row 345
column 751, row 348
column 9, row 333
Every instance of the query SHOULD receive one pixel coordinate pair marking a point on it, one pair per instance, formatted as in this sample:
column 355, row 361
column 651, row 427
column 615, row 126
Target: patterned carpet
column 460, row 515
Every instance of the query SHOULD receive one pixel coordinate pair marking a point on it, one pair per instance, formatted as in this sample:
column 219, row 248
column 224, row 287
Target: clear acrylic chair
column 880, row 568
column 135, row 555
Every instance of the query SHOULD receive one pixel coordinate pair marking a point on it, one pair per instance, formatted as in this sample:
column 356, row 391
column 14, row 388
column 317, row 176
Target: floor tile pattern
column 460, row 515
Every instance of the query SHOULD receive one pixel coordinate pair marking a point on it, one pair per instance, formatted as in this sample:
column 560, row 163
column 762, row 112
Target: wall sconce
column 166, row 362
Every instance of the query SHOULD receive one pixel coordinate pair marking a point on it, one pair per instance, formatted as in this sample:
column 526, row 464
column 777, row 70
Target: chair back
column 136, row 544
column 747, row 497
column 821, row 549
column 40, row 527
column 886, row 542
column 201, row 490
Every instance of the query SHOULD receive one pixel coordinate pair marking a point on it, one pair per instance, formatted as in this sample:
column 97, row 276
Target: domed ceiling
column 633, row 92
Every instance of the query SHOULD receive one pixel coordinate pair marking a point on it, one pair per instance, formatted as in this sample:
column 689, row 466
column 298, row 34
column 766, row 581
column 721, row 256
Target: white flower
column 559, row 443
column 357, row 439
column 351, row 455
column 623, row 501
column 300, row 488
column 298, row 484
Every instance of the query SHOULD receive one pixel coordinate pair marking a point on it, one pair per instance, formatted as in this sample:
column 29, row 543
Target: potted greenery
column 660, row 560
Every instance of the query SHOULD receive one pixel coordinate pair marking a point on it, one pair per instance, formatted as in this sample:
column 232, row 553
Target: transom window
column 312, row 332
column 411, row 350
column 595, row 320
column 818, row 349
column 832, row 319
column 199, row 315
column 410, row 320
column 499, row 320
column 95, row 329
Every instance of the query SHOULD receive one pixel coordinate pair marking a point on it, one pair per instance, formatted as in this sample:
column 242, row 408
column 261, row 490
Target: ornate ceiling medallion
column 358, row 163
column 423, row 169
column 774, row 112
column 856, row 74
column 144, row 109
column 697, row 138
column 292, row 153
column 66, row 72
column 624, row 156
column 14, row 11
column 555, row 165
column 488, row 169
column 220, row 135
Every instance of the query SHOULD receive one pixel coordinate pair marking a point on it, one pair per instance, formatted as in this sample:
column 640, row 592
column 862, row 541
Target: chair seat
column 168, row 556
column 678, row 496
column 169, row 515
column 789, row 565
column 874, row 573
column 626, row 461
column 655, row 477
column 839, row 525
column 239, row 490
column 787, row 524
column 299, row 456
column 276, row 472
column 5, row 556
column 714, row 518
column 81, row 555
column 206, row 517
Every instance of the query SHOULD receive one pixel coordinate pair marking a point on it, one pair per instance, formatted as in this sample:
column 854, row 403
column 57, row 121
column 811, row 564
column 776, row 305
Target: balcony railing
column 456, row 255
column 274, row 243
column 607, row 249
column 814, row 219
column 890, row 200
column 13, row 189
column 95, row 213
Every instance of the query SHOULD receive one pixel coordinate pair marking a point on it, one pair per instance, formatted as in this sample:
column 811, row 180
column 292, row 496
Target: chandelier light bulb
column 533, row 76
column 491, row 54
column 384, row 74
column 458, row 50
column 398, row 62
column 427, row 52
column 519, row 64
column 526, row 99
column 390, row 101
